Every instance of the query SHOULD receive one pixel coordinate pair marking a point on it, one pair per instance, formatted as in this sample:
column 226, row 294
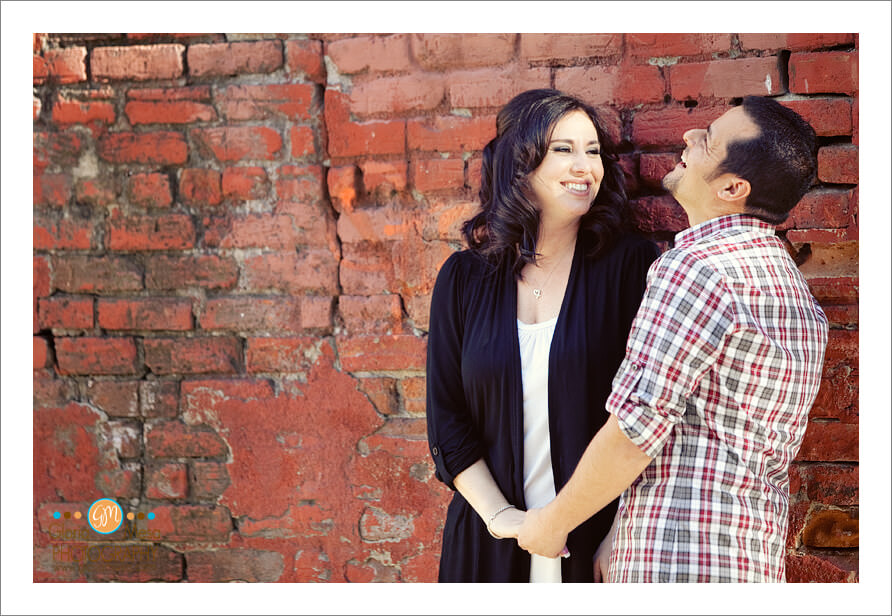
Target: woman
column 527, row 328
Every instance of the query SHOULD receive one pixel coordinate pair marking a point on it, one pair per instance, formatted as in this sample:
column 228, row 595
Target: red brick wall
column 235, row 242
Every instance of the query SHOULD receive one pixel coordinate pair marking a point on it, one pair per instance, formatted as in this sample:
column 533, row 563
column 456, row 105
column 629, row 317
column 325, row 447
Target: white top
column 538, row 480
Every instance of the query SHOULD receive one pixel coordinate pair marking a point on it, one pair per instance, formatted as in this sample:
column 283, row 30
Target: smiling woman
column 527, row 328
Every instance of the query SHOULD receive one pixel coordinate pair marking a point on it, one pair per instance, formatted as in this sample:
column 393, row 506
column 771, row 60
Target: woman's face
column 567, row 181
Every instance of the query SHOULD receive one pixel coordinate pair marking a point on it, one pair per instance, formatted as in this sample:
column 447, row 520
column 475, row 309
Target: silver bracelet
column 493, row 517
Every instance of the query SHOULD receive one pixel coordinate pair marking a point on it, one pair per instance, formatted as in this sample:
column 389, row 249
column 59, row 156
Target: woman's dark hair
column 507, row 227
column 780, row 163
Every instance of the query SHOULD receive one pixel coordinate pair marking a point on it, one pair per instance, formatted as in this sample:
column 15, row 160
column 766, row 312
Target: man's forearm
column 610, row 464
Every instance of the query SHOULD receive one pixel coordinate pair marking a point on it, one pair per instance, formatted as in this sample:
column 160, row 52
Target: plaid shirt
column 721, row 368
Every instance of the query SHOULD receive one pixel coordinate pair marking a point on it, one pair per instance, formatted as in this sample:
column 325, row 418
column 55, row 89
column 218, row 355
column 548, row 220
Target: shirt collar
column 714, row 226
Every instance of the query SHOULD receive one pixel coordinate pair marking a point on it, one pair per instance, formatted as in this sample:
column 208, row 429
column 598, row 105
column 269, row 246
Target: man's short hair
column 780, row 163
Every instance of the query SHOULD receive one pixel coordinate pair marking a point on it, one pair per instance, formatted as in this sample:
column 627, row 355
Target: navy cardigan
column 475, row 394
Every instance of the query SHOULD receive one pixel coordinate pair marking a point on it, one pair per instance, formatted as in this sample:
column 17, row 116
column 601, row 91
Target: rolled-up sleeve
column 452, row 438
column 684, row 320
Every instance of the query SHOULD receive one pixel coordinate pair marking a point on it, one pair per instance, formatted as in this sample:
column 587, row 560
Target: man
column 723, row 363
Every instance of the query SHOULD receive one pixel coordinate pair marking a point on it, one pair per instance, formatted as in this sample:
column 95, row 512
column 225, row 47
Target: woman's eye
column 594, row 152
column 560, row 148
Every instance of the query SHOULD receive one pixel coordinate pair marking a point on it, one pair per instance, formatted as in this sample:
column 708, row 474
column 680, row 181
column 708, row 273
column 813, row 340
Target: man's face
column 693, row 181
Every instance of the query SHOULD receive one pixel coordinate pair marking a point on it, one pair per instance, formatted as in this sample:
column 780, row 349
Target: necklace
column 537, row 291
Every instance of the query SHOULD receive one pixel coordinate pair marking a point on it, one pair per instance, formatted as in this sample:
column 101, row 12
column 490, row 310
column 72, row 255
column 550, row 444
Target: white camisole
column 538, row 480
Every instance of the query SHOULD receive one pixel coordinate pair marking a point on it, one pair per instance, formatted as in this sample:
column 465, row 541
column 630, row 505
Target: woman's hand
column 602, row 558
column 508, row 523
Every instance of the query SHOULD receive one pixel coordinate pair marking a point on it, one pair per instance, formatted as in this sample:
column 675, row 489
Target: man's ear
column 733, row 189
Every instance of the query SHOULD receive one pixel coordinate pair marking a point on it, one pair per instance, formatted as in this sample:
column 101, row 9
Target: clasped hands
column 532, row 532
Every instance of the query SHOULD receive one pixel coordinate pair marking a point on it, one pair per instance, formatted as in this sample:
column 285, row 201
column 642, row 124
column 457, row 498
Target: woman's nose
column 690, row 136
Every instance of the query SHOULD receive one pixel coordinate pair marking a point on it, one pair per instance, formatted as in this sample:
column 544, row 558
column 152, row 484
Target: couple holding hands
column 604, row 412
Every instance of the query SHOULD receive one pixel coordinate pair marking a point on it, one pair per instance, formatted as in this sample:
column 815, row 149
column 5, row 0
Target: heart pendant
column 537, row 293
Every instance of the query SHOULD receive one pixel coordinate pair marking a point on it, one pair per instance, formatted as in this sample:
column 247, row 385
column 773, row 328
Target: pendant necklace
column 537, row 291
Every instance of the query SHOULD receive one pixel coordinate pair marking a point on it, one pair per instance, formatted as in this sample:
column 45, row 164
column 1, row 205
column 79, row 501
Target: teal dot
column 57, row 515
column 151, row 515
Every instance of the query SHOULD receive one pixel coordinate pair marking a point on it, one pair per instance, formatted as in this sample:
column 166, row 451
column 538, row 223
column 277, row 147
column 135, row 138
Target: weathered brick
column 245, row 183
column 66, row 312
column 377, row 314
column 64, row 234
column 653, row 167
column 316, row 314
column 208, row 480
column 375, row 224
column 303, row 142
column 56, row 150
column 305, row 57
column 200, row 187
column 292, row 354
column 838, row 164
column 443, row 218
column 381, row 391
column 794, row 41
column 237, row 143
column 832, row 484
column 162, row 148
column 97, row 192
column 725, row 79
column 237, row 58
column 251, row 313
column 812, row 568
column 369, row 353
column 193, row 355
column 235, row 565
column 299, row 183
column 612, row 85
column 125, row 437
column 193, row 523
column 158, row 399
column 145, row 313
column 76, row 274
column 137, row 63
column 830, row 72
column 400, row 94
column 52, row 392
column 307, row 271
column 96, row 356
column 655, row 214
column 568, row 46
column 66, row 66
column 66, row 112
column 822, row 208
column 41, row 353
column 344, row 186
column 115, row 398
column 831, row 528
column 41, row 283
column 167, row 481
column 831, row 260
column 830, row 442
column 828, row 116
column 169, row 112
column 367, row 269
column 205, row 271
column 436, row 52
column 168, row 232
column 665, row 127
column 493, row 87
column 413, row 394
column 384, row 176
column 52, row 189
column 294, row 101
column 663, row 45
column 149, row 190
column 189, row 93
column 450, row 133
column 376, row 54
column 173, row 439
column 437, row 174
column 115, row 562
column 268, row 231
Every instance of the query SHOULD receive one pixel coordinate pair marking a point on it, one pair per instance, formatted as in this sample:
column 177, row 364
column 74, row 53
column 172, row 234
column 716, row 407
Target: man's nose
column 691, row 136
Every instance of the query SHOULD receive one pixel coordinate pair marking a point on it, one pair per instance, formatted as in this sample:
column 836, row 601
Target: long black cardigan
column 475, row 393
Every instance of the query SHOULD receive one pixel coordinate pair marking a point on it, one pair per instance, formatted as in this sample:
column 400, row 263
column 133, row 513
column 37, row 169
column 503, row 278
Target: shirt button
column 436, row 451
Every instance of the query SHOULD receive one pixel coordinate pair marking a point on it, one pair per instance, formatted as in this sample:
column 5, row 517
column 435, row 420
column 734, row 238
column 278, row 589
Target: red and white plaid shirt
column 722, row 366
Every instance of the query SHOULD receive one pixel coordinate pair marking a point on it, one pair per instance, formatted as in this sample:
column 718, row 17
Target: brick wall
column 235, row 242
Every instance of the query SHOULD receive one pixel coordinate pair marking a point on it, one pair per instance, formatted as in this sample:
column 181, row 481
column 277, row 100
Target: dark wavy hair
column 507, row 227
column 780, row 163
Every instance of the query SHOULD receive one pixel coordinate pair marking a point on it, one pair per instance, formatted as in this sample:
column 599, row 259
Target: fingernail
column 565, row 553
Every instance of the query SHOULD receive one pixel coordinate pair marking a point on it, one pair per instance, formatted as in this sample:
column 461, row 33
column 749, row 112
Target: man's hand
column 536, row 537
